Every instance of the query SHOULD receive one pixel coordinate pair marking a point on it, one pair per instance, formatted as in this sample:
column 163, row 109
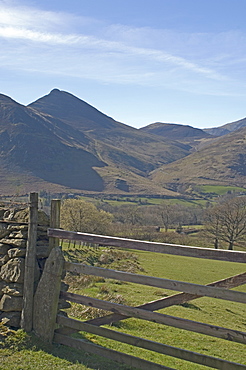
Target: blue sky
column 138, row 61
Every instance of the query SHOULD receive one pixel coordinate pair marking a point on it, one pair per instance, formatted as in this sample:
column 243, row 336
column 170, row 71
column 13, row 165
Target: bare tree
column 176, row 215
column 212, row 223
column 165, row 212
column 129, row 214
column 227, row 221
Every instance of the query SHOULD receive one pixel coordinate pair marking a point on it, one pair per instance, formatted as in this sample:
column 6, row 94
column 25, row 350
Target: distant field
column 221, row 190
column 214, row 190
column 148, row 201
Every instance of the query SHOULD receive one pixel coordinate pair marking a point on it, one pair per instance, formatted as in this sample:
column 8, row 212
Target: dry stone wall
column 13, row 241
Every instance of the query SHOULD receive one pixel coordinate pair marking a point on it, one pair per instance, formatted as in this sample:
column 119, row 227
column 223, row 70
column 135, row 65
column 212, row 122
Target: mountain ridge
column 183, row 133
column 227, row 128
column 141, row 147
column 85, row 155
column 223, row 161
column 60, row 142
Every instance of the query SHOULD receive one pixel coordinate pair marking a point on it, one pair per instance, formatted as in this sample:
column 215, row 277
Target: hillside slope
column 59, row 143
column 129, row 153
column 227, row 128
column 141, row 150
column 183, row 133
column 85, row 151
column 35, row 146
column 221, row 162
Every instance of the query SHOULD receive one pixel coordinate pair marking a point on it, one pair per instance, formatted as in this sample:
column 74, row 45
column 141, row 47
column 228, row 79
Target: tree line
column 224, row 221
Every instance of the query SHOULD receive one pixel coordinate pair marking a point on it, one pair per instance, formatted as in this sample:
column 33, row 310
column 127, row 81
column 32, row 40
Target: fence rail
column 180, row 298
column 189, row 291
column 180, row 286
column 174, row 249
column 147, row 344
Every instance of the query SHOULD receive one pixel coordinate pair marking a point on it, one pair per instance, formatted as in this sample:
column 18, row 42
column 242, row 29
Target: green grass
column 220, row 190
column 22, row 352
column 198, row 227
column 211, row 311
column 139, row 201
column 187, row 202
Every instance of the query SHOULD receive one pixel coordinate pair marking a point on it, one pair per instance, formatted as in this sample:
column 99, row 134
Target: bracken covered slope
column 222, row 162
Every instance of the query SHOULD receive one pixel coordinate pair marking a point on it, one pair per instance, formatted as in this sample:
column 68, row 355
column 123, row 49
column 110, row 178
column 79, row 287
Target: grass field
column 211, row 311
column 213, row 190
column 221, row 190
column 138, row 201
column 24, row 354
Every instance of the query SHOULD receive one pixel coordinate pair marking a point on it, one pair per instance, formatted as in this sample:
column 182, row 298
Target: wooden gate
column 219, row 289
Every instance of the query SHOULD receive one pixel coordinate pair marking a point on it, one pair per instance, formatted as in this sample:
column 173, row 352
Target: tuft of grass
column 15, row 340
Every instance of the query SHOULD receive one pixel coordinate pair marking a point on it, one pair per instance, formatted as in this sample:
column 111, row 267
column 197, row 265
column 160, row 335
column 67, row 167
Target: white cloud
column 50, row 42
column 42, row 37
column 22, row 16
column 107, row 46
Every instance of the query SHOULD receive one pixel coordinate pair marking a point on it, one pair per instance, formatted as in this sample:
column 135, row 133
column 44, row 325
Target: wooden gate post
column 27, row 311
column 54, row 221
column 46, row 298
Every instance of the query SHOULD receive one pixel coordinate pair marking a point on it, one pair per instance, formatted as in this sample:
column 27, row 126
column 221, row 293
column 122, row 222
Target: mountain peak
column 68, row 107
column 55, row 90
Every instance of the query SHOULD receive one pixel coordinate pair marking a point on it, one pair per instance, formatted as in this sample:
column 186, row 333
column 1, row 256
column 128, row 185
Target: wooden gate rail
column 177, row 322
column 180, row 298
column 218, row 289
column 174, row 249
column 205, row 291
column 112, row 354
column 149, row 345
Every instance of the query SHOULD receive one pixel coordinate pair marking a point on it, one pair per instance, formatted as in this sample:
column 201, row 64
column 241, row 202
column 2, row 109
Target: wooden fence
column 219, row 289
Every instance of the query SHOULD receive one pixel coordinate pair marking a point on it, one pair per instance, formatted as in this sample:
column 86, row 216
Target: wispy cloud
column 74, row 46
column 16, row 15
column 43, row 37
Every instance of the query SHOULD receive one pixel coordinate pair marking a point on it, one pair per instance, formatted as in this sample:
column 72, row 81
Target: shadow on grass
column 75, row 356
column 18, row 346
column 190, row 305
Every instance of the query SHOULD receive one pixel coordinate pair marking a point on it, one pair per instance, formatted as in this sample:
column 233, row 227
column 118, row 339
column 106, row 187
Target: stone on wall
column 3, row 259
column 4, row 248
column 21, row 243
column 13, row 270
column 2, row 286
column 18, row 234
column 11, row 303
column 11, row 319
column 4, row 233
column 2, row 212
column 17, row 228
column 22, row 215
column 14, row 289
column 16, row 252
